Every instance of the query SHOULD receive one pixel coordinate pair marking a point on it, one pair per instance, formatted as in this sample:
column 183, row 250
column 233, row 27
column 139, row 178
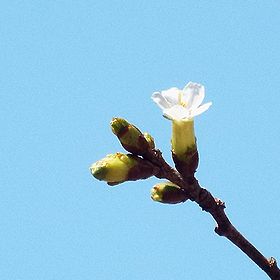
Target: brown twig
column 215, row 207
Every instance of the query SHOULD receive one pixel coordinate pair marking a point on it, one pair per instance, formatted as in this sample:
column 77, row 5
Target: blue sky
column 67, row 68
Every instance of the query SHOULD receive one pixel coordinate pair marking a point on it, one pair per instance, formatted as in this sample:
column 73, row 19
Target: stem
column 215, row 207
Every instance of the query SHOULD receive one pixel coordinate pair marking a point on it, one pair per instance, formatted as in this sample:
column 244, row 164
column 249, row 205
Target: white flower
column 183, row 104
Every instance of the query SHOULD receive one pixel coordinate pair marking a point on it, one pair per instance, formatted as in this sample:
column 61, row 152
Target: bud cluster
column 118, row 168
column 180, row 106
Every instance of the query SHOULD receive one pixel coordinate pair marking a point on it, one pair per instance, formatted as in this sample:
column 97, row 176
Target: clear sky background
column 67, row 68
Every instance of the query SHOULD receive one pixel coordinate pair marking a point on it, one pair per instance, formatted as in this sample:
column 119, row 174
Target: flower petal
column 193, row 95
column 201, row 109
column 171, row 95
column 179, row 104
column 159, row 99
column 176, row 112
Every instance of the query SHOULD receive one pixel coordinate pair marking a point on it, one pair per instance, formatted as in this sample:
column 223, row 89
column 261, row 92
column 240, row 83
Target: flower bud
column 184, row 149
column 118, row 168
column 169, row 193
column 149, row 139
column 130, row 136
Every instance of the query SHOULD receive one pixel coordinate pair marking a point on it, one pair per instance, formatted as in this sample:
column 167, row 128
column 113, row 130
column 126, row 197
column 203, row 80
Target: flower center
column 181, row 101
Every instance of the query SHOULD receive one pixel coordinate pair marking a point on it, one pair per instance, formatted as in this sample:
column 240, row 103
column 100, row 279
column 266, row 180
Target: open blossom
column 183, row 104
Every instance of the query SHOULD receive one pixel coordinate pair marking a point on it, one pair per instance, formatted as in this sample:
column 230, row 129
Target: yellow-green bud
column 131, row 138
column 184, row 149
column 118, row 125
column 118, row 168
column 168, row 192
column 112, row 168
column 149, row 139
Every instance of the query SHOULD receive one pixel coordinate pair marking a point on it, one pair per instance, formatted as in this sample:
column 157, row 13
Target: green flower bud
column 149, row 139
column 118, row 125
column 131, row 138
column 184, row 149
column 168, row 192
column 118, row 168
